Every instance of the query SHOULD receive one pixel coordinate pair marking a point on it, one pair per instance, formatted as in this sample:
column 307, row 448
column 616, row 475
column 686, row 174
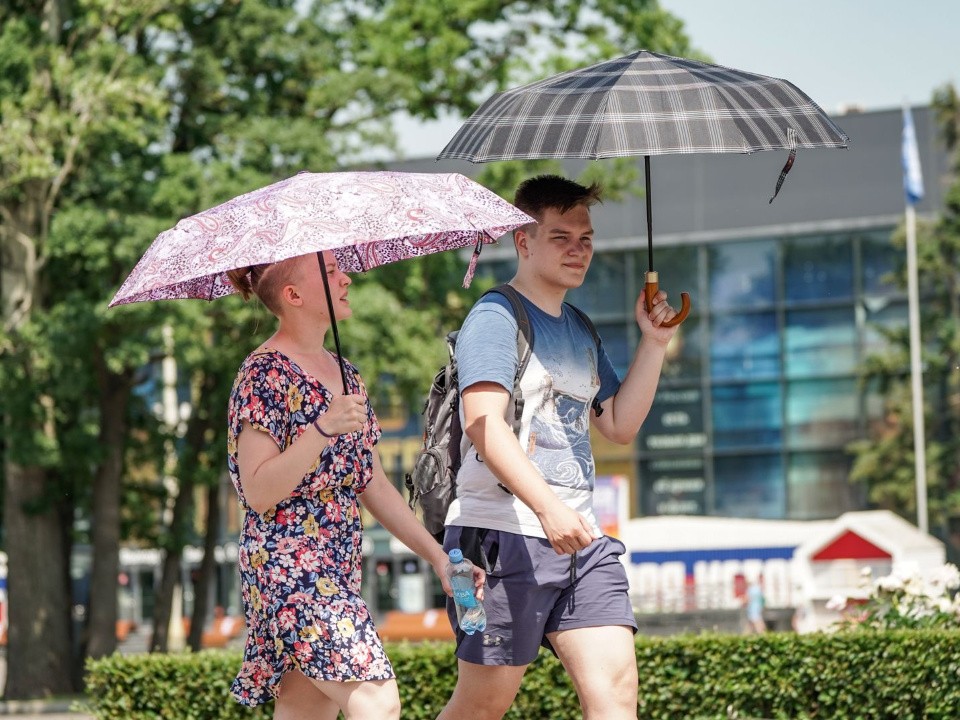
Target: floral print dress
column 300, row 560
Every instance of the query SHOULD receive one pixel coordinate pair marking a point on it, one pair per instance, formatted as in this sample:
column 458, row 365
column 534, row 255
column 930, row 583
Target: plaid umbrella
column 645, row 104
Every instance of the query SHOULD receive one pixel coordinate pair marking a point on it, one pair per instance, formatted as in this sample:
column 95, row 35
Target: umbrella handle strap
column 652, row 288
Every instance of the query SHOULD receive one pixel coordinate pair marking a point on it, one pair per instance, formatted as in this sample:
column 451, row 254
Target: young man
column 525, row 505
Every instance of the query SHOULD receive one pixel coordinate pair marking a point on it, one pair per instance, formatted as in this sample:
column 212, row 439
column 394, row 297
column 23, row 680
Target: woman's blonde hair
column 265, row 281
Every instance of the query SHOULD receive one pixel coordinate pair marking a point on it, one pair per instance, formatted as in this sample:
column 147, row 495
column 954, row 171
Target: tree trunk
column 101, row 636
column 205, row 577
column 194, row 445
column 38, row 640
column 171, row 567
column 39, row 647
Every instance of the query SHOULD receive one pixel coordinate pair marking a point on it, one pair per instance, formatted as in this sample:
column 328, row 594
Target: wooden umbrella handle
column 652, row 288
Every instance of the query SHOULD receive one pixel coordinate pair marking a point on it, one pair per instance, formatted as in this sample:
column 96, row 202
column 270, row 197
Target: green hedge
column 902, row 675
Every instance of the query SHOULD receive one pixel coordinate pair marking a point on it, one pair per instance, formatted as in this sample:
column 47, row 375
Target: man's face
column 561, row 246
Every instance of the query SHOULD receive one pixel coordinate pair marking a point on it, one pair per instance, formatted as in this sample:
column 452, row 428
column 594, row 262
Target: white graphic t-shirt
column 563, row 376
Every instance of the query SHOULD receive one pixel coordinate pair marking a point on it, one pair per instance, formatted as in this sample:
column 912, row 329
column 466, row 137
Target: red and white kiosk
column 835, row 563
column 680, row 564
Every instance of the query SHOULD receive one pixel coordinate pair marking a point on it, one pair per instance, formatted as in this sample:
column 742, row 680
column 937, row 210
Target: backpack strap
column 586, row 321
column 524, row 351
column 524, row 347
column 596, row 339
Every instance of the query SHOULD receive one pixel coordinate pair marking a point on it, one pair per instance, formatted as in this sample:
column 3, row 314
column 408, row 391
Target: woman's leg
column 363, row 700
column 300, row 699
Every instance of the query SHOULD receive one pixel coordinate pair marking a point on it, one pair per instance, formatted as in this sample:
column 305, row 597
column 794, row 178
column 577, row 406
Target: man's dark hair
column 538, row 194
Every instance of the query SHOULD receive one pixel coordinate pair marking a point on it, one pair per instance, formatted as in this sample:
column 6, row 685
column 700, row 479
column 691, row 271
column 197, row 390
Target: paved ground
column 35, row 709
column 40, row 710
column 46, row 716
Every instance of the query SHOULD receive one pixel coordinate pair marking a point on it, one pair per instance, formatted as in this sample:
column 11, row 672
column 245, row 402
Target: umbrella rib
column 356, row 252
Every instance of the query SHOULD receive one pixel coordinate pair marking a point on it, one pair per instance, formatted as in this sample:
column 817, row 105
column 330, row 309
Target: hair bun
column 240, row 279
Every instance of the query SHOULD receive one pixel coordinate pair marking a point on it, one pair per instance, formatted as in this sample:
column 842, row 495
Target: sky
column 874, row 54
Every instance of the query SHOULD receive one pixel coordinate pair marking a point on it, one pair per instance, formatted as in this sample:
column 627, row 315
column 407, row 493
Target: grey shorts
column 531, row 591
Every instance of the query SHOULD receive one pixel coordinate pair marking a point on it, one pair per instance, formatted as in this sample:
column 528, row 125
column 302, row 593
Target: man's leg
column 602, row 663
column 483, row 692
column 591, row 631
column 491, row 663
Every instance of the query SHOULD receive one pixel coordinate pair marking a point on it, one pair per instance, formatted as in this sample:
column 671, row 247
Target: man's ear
column 521, row 241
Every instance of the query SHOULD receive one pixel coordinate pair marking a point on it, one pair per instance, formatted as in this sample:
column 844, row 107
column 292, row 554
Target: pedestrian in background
column 754, row 602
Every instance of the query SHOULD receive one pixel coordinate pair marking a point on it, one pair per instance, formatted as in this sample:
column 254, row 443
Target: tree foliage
column 886, row 461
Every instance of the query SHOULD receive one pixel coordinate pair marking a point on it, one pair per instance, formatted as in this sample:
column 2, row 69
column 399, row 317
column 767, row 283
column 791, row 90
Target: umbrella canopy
column 366, row 218
column 645, row 104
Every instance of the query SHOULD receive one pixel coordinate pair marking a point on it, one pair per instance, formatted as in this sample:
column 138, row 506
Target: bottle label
column 463, row 591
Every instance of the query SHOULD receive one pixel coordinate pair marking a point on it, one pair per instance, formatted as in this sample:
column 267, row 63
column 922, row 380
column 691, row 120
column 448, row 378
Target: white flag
column 912, row 175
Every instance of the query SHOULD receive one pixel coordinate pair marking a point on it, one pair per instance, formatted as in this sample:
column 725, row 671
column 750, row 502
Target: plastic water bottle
column 471, row 616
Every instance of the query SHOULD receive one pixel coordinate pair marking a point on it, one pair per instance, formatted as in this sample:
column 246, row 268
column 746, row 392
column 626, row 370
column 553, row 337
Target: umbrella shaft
column 333, row 320
column 646, row 174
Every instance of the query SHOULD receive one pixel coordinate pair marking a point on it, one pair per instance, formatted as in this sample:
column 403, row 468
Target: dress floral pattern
column 300, row 561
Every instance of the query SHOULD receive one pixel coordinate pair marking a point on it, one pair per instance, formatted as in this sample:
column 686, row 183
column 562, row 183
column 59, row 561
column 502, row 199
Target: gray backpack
column 432, row 484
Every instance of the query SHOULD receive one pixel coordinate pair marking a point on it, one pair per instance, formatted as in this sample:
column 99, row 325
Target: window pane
column 818, row 268
column 749, row 486
column 747, row 415
column 742, row 274
column 885, row 315
column 874, row 407
column 879, row 258
column 818, row 486
column 604, row 290
column 822, row 413
column 673, row 486
column 617, row 345
column 498, row 270
column 675, row 421
column 744, row 345
column 821, row 342
column 685, row 352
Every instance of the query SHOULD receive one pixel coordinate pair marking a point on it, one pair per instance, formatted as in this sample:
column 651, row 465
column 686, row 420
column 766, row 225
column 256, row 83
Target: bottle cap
column 455, row 555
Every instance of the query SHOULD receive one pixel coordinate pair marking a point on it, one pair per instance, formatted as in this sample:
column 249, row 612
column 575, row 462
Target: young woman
column 301, row 456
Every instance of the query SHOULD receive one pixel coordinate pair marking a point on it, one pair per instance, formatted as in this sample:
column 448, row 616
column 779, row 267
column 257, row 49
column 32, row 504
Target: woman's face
column 339, row 283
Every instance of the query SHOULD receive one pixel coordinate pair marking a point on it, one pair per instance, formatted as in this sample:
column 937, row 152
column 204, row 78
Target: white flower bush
column 907, row 598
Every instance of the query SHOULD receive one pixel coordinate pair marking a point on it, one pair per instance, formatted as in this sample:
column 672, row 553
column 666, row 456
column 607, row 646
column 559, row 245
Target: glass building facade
column 759, row 395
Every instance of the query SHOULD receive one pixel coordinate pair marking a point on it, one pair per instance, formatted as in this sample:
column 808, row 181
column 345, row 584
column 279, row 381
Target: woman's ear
column 290, row 295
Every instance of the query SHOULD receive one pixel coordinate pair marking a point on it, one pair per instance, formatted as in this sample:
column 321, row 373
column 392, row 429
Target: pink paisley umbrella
column 366, row 218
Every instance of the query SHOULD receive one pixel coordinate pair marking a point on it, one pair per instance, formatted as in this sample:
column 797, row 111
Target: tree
column 67, row 85
column 885, row 461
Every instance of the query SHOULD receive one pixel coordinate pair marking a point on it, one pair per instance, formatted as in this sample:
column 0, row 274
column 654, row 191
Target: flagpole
column 913, row 190
column 916, row 371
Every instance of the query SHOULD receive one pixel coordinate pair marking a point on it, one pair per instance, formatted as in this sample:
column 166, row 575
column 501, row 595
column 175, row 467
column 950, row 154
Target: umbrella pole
column 333, row 320
column 646, row 177
column 652, row 285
